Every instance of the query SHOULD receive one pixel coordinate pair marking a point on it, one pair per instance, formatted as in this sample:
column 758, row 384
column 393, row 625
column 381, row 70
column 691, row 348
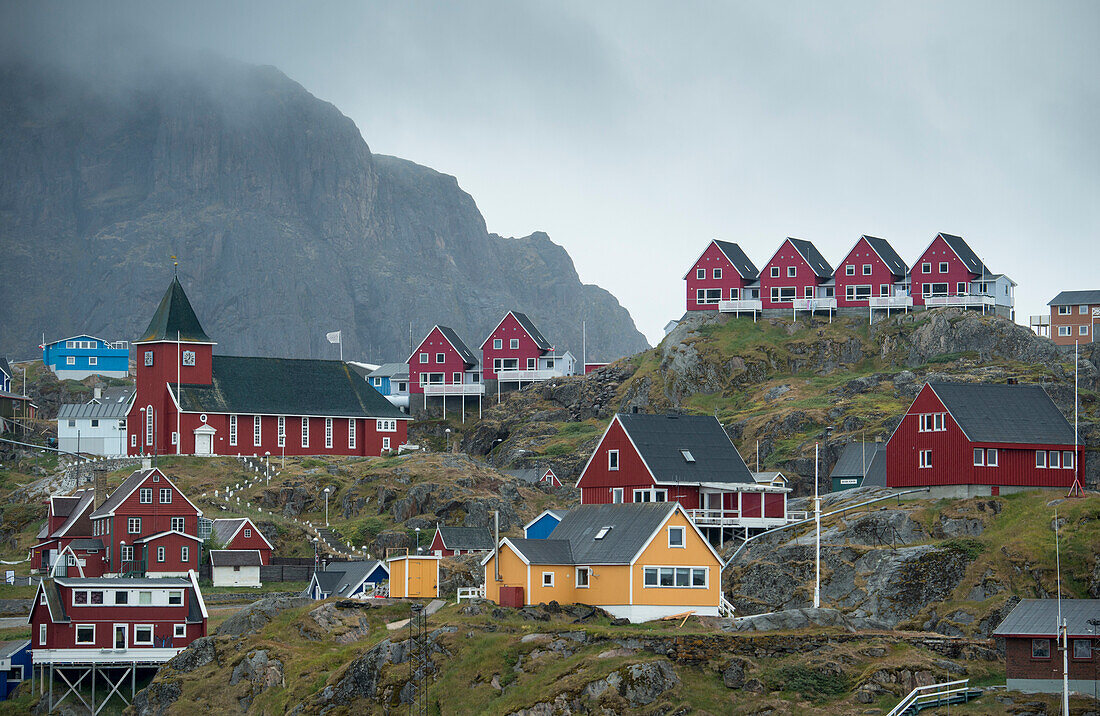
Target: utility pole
column 817, row 538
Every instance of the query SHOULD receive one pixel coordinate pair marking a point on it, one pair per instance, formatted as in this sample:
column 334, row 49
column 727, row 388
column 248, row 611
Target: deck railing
column 454, row 389
column 890, row 301
column 469, row 593
column 744, row 305
column 814, row 304
column 516, row 376
column 725, row 609
column 715, row 517
column 797, row 515
column 964, row 301
column 931, row 695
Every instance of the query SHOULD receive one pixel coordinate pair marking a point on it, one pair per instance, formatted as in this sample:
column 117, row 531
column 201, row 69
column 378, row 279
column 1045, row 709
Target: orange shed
column 414, row 576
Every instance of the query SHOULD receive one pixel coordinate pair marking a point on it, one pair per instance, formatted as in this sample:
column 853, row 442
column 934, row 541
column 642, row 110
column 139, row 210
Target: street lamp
column 316, row 557
column 327, row 490
column 418, row 536
column 448, row 432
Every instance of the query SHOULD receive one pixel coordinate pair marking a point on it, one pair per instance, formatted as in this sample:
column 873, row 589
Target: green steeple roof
column 174, row 314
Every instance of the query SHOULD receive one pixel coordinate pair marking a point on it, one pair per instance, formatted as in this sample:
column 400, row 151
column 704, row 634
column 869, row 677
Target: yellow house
column 641, row 561
column 414, row 576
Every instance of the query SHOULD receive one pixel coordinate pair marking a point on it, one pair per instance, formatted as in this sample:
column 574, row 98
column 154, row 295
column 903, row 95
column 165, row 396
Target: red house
column 516, row 352
column 871, row 276
column 723, row 273
column 240, row 534
column 82, row 625
column 68, row 532
column 190, row 401
column 449, row 541
column 148, row 527
column 949, row 273
column 686, row 458
column 797, row 277
column 441, row 366
column 982, row 439
column 1034, row 642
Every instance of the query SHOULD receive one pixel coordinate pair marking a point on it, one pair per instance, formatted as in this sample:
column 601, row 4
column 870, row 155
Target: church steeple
column 174, row 314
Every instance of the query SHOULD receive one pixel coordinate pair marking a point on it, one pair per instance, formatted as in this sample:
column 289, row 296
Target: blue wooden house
column 78, row 357
column 392, row 381
column 347, row 580
column 15, row 665
column 543, row 525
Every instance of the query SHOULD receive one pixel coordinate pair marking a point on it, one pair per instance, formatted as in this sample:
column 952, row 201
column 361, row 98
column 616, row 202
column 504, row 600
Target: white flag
column 333, row 337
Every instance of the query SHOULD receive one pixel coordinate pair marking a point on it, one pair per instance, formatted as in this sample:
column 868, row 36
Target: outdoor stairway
column 945, row 694
column 332, row 541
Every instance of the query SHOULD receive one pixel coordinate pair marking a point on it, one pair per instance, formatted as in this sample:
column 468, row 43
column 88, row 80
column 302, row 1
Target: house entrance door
column 120, row 636
column 202, row 444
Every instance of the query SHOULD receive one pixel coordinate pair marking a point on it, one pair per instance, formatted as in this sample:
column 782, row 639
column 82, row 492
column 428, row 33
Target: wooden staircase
column 926, row 697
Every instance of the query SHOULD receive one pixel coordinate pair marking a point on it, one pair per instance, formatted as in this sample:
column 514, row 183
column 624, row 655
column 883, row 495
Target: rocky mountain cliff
column 285, row 224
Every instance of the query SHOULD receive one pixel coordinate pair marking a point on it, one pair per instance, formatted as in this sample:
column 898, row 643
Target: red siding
column 1020, row 665
column 752, row 504
column 255, row 541
column 433, row 344
column 862, row 255
column 163, row 619
column 632, row 472
column 935, row 254
column 368, row 440
column 773, row 504
column 437, row 546
column 155, row 518
column 172, row 554
column 804, row 276
column 712, row 258
column 151, row 383
column 953, row 455
column 508, row 329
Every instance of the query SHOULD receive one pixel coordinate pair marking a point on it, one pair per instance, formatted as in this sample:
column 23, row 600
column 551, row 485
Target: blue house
column 80, row 356
column 5, row 376
column 15, row 664
column 392, row 381
column 543, row 525
column 347, row 580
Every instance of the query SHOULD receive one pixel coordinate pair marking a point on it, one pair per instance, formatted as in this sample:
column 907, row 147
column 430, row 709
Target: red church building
column 684, row 458
column 723, row 278
column 797, row 277
column 949, row 273
column 241, row 534
column 190, row 401
column 872, row 276
column 982, row 439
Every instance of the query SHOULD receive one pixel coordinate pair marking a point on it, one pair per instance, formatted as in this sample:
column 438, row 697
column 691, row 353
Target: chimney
column 147, row 463
column 99, row 486
column 97, row 392
column 496, row 545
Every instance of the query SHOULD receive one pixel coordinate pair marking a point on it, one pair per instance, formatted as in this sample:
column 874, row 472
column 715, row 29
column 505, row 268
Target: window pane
column 667, row 576
column 1082, row 649
column 698, row 577
column 1040, row 648
column 683, row 577
column 651, row 576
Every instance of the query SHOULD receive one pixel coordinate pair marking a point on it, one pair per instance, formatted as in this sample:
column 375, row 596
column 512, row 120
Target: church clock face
column 189, row 357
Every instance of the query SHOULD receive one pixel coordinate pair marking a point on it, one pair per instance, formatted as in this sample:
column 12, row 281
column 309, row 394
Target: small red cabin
column 982, row 439
column 449, row 541
column 241, row 534
column 722, row 273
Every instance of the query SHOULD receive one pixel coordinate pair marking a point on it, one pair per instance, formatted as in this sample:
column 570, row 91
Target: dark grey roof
column 740, row 261
column 223, row 529
column 463, row 350
column 813, row 257
column 1071, row 298
column 523, row 475
column 1002, row 413
column 544, row 551
column 174, row 316
column 889, row 257
column 194, row 611
column 540, row 340
column 87, row 543
column 89, row 411
column 398, row 371
column 285, row 386
column 84, row 504
column 631, row 525
column 235, row 558
column 342, row 578
column 1039, row 617
column 82, row 582
column 852, row 460
column 122, row 492
column 117, row 394
column 465, row 538
column 965, row 253
column 327, row 581
column 64, row 505
column 876, row 471
column 661, row 439
column 54, row 602
column 10, row 648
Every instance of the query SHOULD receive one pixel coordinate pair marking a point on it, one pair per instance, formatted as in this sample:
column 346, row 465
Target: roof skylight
column 602, row 533
column 687, row 455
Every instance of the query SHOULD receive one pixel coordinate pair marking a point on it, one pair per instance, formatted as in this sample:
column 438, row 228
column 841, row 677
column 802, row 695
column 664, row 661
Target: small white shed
column 235, row 567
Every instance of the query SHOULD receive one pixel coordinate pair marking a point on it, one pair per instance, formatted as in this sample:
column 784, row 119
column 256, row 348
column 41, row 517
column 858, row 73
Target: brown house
column 1074, row 317
column 1033, row 656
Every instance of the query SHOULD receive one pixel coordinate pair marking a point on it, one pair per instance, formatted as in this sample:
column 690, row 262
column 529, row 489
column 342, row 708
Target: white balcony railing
column 814, row 304
column 797, row 515
column 890, row 302
column 118, row 345
column 1039, row 321
column 962, row 301
column 100, row 655
column 454, row 389
column 715, row 518
column 516, row 376
column 744, row 305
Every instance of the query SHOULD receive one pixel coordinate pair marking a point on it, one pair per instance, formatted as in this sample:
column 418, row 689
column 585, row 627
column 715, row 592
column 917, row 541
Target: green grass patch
column 809, row 682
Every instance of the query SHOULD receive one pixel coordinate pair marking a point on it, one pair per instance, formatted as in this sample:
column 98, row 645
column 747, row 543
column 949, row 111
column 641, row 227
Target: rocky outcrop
column 803, row 619
column 282, row 218
column 259, row 614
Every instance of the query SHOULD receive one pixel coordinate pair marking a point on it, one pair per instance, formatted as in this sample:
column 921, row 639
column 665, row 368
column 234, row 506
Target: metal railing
column 813, row 304
column 454, row 389
column 737, row 306
column 890, row 301
column 931, row 695
column 963, row 300
column 513, row 376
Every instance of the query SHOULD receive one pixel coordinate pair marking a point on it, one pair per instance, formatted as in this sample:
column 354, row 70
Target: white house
column 235, row 567
column 97, row 427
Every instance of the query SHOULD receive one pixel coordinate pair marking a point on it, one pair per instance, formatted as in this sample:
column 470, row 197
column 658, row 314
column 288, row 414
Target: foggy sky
column 633, row 133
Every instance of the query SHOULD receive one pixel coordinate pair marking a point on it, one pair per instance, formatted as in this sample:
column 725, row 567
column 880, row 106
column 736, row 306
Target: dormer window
column 602, row 533
column 688, row 457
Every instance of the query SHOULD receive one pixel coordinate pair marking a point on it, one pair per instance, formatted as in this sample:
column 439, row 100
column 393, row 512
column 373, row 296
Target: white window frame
column 440, row 358
column 181, row 523
column 70, row 360
column 423, row 357
column 991, row 457
column 1067, row 459
column 148, row 424
column 185, row 553
column 328, row 433
column 612, row 460
column 587, row 572
column 867, row 269
column 233, row 430
column 548, row 582
column 926, row 267
column 456, row 378
column 1064, row 310
column 784, row 294
column 979, row 457
column 257, row 430
column 700, row 274
column 386, row 425
column 792, row 272
column 305, row 432
column 1065, row 331
column 849, row 269
column 925, row 457
column 351, row 433
column 385, row 443
column 139, row 642
column 247, row 533
column 617, row 495
column 706, row 296
column 86, row 642
column 513, row 344
column 126, row 553
column 775, row 272
column 657, row 571
column 1083, row 329
column 166, row 495
column 42, row 635
column 179, row 631
column 162, row 554
column 716, row 273
column 93, row 360
column 960, row 288
column 944, row 267
column 498, row 344
column 145, row 495
column 1083, row 310
column 1054, row 459
column 680, row 530
column 281, row 434
column 177, row 595
column 133, row 525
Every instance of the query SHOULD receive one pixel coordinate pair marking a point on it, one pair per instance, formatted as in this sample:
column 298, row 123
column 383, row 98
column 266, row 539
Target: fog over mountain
column 285, row 224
